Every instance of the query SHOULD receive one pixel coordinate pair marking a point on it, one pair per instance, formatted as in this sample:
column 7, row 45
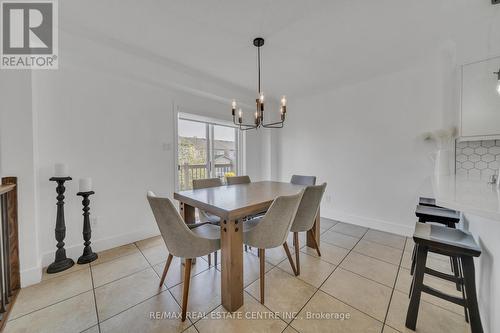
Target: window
column 206, row 148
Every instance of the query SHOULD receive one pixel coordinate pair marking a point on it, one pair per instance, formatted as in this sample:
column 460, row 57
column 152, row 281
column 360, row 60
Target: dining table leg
column 232, row 264
column 187, row 213
column 314, row 232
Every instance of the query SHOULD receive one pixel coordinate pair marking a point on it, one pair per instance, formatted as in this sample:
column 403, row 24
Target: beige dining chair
column 204, row 215
column 207, row 183
column 238, row 180
column 303, row 180
column 271, row 230
column 181, row 241
column 305, row 217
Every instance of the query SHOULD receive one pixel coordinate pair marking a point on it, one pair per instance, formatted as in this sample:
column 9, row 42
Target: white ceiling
column 309, row 44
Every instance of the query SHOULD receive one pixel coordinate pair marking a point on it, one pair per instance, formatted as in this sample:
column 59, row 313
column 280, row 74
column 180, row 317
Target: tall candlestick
column 61, row 262
column 88, row 255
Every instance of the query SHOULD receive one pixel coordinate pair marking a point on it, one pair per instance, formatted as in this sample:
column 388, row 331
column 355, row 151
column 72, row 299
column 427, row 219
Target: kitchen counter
column 480, row 204
column 468, row 196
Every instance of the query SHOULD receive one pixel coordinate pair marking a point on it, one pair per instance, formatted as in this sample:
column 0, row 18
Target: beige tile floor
column 359, row 284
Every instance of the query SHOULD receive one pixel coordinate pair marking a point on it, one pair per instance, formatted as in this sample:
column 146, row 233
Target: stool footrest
column 445, row 296
column 443, row 276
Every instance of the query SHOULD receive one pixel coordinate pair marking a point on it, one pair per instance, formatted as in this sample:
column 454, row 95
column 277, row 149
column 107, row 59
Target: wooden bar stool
column 450, row 242
column 424, row 201
column 440, row 215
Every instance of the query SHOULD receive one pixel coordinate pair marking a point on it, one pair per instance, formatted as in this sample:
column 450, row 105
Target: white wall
column 18, row 157
column 363, row 140
column 108, row 113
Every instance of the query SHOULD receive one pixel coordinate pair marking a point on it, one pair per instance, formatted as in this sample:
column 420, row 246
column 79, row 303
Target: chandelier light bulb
column 240, row 113
column 498, row 82
column 233, row 104
column 283, row 101
column 261, row 97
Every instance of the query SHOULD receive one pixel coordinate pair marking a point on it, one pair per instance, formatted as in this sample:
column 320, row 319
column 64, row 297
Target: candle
column 85, row 184
column 233, row 105
column 60, row 170
column 283, row 105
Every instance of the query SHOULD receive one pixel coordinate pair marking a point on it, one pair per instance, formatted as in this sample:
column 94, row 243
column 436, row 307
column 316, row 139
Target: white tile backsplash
column 477, row 159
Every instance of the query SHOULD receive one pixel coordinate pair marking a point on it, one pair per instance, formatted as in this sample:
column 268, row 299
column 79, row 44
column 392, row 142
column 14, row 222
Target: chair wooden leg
column 297, row 252
column 165, row 270
column 209, row 260
column 287, row 250
column 470, row 292
column 315, row 242
column 262, row 255
column 418, row 280
column 456, row 271
column 413, row 259
column 185, row 293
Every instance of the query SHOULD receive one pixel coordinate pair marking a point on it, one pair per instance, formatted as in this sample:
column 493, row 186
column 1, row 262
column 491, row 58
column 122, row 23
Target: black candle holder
column 61, row 262
column 88, row 255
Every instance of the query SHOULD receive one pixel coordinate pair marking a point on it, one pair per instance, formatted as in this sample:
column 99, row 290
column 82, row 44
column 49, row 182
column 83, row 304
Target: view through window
column 205, row 150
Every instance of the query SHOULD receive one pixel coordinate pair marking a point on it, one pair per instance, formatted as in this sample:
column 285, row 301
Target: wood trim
column 6, row 188
column 15, row 277
column 5, row 316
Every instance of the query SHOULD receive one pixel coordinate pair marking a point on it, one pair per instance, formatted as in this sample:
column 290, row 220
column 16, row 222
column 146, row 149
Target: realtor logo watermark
column 29, row 38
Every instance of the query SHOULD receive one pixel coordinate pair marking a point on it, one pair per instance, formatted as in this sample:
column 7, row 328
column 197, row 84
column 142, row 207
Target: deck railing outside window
column 188, row 172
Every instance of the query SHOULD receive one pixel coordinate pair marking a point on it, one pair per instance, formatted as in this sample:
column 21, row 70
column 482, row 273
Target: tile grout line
column 317, row 289
column 394, row 287
column 168, row 289
column 49, row 305
column 95, row 300
column 345, row 269
column 145, row 300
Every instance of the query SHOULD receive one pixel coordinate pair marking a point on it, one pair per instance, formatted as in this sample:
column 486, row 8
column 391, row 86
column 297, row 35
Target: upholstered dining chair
column 207, row 183
column 305, row 217
column 271, row 230
column 238, row 180
column 181, row 241
column 303, row 180
column 204, row 215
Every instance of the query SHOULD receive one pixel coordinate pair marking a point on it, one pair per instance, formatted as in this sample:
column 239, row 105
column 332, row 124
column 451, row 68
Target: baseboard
column 372, row 223
column 31, row 276
column 74, row 251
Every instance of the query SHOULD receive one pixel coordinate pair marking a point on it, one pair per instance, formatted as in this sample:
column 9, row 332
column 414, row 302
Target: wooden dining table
column 232, row 203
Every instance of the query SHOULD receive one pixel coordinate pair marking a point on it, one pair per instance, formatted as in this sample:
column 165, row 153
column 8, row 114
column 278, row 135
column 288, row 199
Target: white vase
column 442, row 162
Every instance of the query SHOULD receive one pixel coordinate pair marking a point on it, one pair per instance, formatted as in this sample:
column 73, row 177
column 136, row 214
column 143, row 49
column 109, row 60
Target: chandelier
column 259, row 101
